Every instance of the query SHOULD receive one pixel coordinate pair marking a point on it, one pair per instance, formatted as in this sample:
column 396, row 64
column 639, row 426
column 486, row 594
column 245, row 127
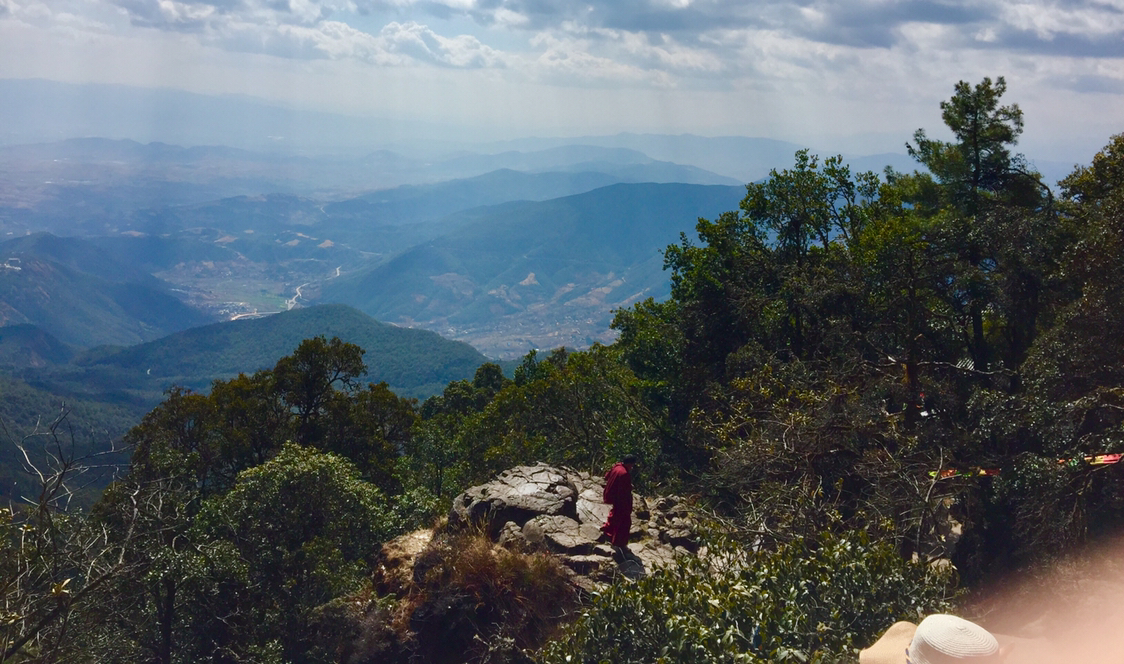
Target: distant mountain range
column 94, row 186
column 548, row 273
column 506, row 277
column 36, row 110
column 39, row 111
column 628, row 165
column 743, row 158
column 442, row 251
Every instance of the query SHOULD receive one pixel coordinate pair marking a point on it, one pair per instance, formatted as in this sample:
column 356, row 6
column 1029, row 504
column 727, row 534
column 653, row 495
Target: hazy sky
column 813, row 72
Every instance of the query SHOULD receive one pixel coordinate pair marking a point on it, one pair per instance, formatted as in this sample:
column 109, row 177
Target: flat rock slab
column 518, row 495
column 591, row 565
column 652, row 554
column 561, row 534
column 590, row 509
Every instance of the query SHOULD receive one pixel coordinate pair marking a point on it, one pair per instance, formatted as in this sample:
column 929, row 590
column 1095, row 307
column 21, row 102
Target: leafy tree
column 995, row 216
column 178, row 438
column 192, row 449
column 179, row 459
column 441, row 457
column 252, row 420
column 1092, row 322
column 371, row 427
column 580, row 409
column 587, row 413
column 806, row 204
column 435, row 459
column 307, row 380
column 979, row 162
column 152, row 612
column 490, row 377
column 303, row 525
column 1072, row 404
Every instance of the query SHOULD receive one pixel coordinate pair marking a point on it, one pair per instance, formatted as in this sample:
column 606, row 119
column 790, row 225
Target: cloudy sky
column 843, row 74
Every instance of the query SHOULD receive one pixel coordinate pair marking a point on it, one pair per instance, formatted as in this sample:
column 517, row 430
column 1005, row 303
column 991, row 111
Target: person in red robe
column 618, row 493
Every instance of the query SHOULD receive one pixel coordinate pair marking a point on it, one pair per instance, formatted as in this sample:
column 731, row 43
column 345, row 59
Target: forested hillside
column 71, row 287
column 837, row 360
column 414, row 362
column 523, row 275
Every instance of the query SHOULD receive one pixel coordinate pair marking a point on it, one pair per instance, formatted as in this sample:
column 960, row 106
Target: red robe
column 618, row 493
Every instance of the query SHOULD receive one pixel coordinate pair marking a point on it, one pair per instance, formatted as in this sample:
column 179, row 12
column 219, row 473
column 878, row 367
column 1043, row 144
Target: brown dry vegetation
column 469, row 601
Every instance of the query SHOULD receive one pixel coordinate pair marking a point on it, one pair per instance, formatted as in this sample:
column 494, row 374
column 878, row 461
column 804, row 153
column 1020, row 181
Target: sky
column 851, row 75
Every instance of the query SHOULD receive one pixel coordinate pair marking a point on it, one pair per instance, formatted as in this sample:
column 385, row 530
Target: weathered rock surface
column 518, row 495
column 560, row 510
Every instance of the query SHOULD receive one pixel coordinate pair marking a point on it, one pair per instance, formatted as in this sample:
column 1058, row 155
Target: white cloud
column 457, row 5
column 663, row 51
column 397, row 44
column 506, row 18
column 1046, row 20
column 63, row 16
column 568, row 60
column 422, row 43
column 307, row 29
column 676, row 38
column 337, row 41
column 183, row 13
column 856, row 62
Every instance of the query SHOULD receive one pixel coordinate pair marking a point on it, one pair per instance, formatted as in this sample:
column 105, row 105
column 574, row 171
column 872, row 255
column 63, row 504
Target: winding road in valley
column 292, row 302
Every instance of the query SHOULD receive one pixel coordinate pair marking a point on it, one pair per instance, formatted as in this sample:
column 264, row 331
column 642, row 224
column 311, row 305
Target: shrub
column 810, row 600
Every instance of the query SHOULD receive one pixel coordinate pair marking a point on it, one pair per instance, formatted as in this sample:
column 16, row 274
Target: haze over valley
column 508, row 246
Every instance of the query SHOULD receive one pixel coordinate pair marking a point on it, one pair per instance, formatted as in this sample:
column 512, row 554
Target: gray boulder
column 518, row 495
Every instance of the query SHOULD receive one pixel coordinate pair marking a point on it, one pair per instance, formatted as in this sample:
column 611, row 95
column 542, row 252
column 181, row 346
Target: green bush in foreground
column 809, row 601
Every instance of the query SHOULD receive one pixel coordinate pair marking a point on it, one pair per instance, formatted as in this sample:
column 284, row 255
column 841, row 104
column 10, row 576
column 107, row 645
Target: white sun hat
column 943, row 639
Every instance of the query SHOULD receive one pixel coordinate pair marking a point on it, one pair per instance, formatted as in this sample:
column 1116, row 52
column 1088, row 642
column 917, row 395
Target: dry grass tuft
column 471, row 601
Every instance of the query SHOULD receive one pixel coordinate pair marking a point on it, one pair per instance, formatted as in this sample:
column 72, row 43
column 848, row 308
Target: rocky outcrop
column 512, row 560
column 560, row 510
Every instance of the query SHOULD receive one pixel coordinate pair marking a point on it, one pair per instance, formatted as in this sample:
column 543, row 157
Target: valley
column 235, row 234
column 518, row 246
